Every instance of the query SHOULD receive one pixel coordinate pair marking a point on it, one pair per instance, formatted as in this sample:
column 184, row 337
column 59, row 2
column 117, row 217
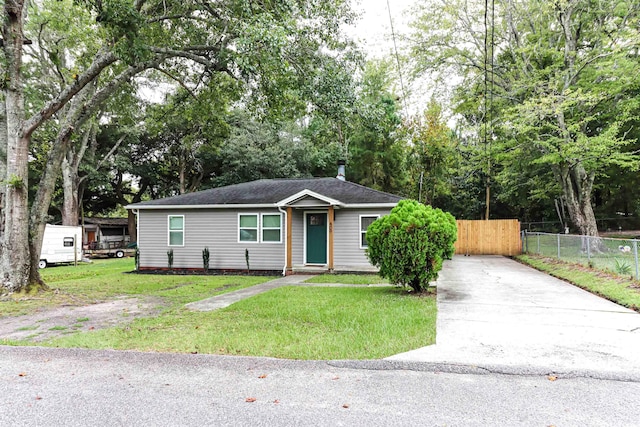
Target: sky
column 373, row 30
column 373, row 33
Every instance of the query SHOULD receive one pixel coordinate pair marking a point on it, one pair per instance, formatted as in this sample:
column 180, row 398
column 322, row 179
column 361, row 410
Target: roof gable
column 308, row 198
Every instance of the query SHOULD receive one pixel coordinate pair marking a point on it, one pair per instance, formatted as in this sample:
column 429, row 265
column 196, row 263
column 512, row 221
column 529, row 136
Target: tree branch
column 102, row 61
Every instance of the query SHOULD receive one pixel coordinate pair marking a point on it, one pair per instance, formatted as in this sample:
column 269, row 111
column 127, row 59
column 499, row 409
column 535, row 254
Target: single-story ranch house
column 286, row 225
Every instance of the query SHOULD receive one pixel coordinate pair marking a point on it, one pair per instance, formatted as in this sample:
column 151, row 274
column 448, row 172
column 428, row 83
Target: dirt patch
column 56, row 322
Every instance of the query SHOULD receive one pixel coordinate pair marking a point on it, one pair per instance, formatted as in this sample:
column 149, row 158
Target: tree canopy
column 84, row 52
column 548, row 86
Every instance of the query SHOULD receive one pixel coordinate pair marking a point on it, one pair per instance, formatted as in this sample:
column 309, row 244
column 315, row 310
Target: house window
column 271, row 228
column 365, row 222
column 248, row 228
column 176, row 230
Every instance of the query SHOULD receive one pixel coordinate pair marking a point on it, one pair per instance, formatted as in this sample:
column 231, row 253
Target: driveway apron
column 493, row 311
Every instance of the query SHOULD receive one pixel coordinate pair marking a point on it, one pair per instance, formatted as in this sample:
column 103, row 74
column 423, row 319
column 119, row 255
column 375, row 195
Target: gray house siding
column 297, row 237
column 216, row 229
column 346, row 246
column 346, row 249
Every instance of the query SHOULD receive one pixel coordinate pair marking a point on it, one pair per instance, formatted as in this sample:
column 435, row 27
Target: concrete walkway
column 225, row 300
column 493, row 311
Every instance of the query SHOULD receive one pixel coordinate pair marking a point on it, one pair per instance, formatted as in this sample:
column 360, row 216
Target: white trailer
column 60, row 245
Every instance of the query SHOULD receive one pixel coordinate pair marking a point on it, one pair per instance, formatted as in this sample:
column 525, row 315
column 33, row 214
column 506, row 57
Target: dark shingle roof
column 108, row 222
column 270, row 191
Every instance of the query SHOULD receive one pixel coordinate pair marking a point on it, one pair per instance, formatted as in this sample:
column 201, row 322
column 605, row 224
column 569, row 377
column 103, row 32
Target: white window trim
column 262, row 228
column 360, row 232
column 184, row 226
column 257, row 215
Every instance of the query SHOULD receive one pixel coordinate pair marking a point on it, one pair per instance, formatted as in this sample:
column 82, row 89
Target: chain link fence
column 611, row 225
column 619, row 256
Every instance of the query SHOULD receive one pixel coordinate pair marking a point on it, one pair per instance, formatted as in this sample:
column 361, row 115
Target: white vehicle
column 60, row 245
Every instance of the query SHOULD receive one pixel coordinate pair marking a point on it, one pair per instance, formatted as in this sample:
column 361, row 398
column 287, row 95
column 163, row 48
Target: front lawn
column 351, row 279
column 294, row 322
column 290, row 322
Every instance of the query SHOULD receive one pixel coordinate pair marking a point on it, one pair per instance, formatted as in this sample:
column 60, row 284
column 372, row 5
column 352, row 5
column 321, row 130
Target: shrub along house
column 285, row 225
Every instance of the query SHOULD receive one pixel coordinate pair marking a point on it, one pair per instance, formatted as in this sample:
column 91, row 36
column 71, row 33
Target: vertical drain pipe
column 635, row 255
column 283, row 226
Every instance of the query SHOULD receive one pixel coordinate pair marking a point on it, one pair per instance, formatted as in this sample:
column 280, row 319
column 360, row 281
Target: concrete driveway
column 493, row 311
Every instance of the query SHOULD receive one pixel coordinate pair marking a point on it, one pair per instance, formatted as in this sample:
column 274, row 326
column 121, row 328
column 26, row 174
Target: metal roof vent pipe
column 341, row 169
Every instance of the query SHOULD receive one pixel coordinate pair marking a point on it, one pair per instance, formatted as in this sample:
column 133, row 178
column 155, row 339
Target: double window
column 266, row 228
column 365, row 222
column 176, row 230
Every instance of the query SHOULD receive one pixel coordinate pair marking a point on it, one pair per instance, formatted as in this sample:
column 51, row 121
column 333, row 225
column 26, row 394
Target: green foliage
column 410, row 243
column 622, row 267
column 434, row 154
column 377, row 154
column 262, row 150
column 136, row 256
column 556, row 111
column 170, row 258
column 205, row 258
column 15, row 182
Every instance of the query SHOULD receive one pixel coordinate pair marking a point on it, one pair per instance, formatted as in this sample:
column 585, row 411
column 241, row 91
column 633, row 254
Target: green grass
column 621, row 290
column 290, row 322
column 103, row 280
column 28, row 328
column 352, row 279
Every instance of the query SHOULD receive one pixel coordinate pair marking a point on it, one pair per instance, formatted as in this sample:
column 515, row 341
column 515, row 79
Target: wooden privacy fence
column 493, row 237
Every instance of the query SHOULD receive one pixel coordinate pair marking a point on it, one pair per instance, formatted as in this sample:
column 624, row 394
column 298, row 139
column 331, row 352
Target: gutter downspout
column 136, row 212
column 284, row 239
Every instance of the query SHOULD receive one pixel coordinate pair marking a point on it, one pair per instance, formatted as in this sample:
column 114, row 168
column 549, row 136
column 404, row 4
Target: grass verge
column 618, row 289
column 290, row 322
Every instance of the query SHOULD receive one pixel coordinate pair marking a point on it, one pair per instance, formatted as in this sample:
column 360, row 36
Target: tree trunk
column 3, row 162
column 42, row 201
column 70, row 205
column 577, row 186
column 14, row 257
column 133, row 231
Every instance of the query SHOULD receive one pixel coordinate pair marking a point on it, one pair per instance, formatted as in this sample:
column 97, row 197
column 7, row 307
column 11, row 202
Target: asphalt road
column 67, row 387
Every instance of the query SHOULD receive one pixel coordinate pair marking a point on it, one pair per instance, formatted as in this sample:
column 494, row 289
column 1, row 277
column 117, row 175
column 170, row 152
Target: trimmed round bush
column 410, row 243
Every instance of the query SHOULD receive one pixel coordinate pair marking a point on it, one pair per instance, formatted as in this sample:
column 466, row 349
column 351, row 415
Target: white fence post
column 558, row 246
column 635, row 255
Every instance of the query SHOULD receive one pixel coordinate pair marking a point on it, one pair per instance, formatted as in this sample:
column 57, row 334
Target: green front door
column 316, row 238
